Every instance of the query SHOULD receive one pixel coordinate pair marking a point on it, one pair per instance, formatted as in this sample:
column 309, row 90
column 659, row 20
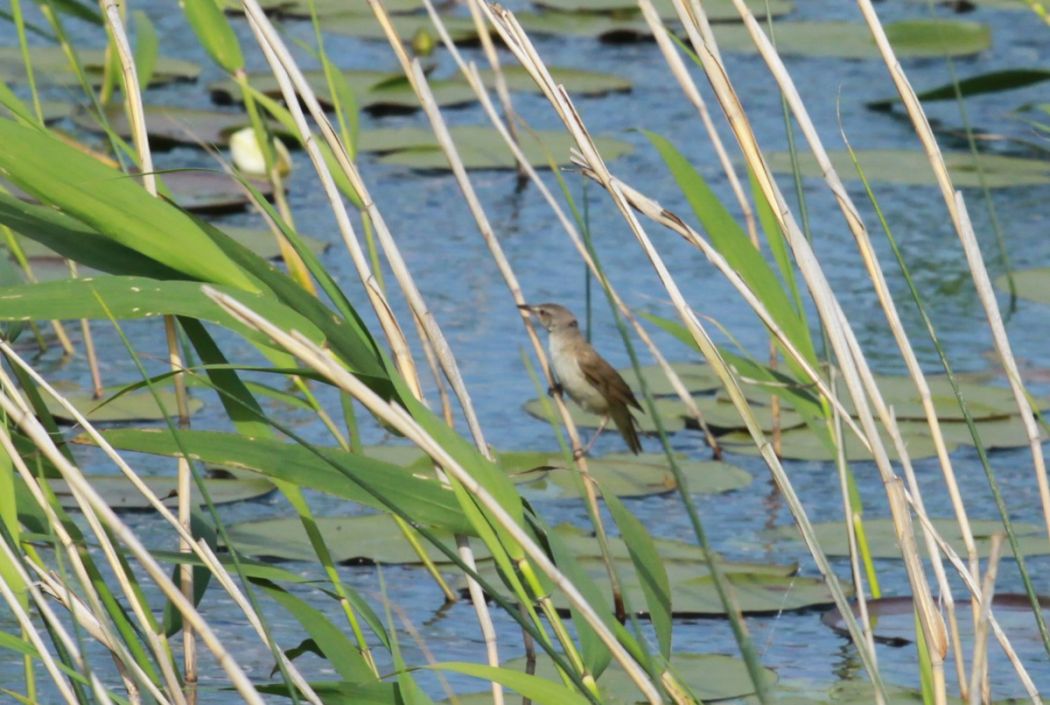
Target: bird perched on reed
column 588, row 379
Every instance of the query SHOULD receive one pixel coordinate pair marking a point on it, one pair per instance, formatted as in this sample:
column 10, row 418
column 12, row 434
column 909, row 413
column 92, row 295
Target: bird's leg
column 598, row 432
column 556, row 388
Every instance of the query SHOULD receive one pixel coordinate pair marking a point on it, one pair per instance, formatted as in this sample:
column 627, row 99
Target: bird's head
column 553, row 317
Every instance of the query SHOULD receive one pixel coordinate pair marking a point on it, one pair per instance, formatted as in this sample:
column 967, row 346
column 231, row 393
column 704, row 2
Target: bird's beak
column 526, row 308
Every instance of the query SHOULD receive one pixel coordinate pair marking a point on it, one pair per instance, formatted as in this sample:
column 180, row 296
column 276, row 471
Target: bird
column 589, row 380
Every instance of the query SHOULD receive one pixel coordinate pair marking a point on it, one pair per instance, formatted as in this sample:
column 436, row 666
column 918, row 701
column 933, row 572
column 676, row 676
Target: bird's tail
column 625, row 423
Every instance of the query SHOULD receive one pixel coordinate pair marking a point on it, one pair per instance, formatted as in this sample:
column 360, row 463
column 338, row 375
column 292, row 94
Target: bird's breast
column 580, row 390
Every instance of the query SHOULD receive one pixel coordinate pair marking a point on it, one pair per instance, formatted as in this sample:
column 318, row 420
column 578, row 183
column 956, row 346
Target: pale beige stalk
column 397, row 417
column 979, row 689
column 137, row 121
column 956, row 210
column 88, row 497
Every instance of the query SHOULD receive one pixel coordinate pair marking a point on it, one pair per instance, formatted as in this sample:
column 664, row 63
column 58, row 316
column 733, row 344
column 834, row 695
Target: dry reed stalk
column 971, row 583
column 477, row 85
column 137, row 121
column 692, row 93
column 860, row 233
column 856, row 373
column 492, row 56
column 515, row 38
column 201, row 549
column 58, row 678
column 95, row 507
column 396, row 417
column 158, row 643
column 394, row 334
column 957, row 212
column 979, row 689
column 287, row 73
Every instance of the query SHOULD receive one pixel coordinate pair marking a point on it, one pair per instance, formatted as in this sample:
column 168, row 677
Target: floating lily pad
column 364, row 26
column 372, row 538
column 484, row 148
column 625, row 475
column 263, row 243
column 716, row 10
column 610, row 29
column 804, row 444
column 51, row 67
column 995, row 434
column 52, row 110
column 882, row 539
column 137, row 405
column 912, row 168
column 1032, row 284
column 696, row 377
column 709, row 676
column 384, row 90
column 172, row 125
column 723, row 416
column 119, row 493
column 847, row 40
column 670, row 415
column 301, row 8
column 694, row 594
column 211, row 191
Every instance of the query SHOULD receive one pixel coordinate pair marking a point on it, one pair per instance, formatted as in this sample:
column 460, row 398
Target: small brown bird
column 588, row 379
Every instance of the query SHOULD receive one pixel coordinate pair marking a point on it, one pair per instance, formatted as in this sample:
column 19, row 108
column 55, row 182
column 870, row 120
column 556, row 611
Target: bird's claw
column 555, row 389
column 579, row 453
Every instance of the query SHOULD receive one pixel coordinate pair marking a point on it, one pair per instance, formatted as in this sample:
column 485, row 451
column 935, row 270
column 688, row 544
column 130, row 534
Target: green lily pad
column 709, row 676
column 385, row 90
column 211, row 191
column 52, row 68
column 912, row 168
column 804, row 444
column 882, row 539
column 694, row 593
column 924, row 38
column 716, row 10
column 995, row 434
column 137, row 405
column 364, row 26
column 1032, row 284
column 119, row 493
column 607, row 28
column 483, row 148
column 723, row 416
column 670, row 410
column 696, row 377
column 625, row 475
column 371, row 538
column 169, row 125
column 52, row 110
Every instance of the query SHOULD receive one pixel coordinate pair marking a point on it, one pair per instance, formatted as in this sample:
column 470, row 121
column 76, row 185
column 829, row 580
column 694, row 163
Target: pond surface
column 467, row 295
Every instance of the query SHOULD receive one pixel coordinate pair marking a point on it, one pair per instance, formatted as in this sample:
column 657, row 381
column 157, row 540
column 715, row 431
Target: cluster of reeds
column 73, row 603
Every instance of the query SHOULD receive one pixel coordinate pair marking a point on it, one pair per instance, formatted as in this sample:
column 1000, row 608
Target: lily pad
column 364, row 26
column 380, row 90
column 483, row 148
column 912, row 168
column 51, row 67
column 723, row 416
column 696, row 377
column 716, row 10
column 671, row 415
column 371, row 538
column 709, row 676
column 893, row 620
column 1032, row 284
column 607, row 28
column 694, row 593
column 995, row 434
column 882, row 539
column 119, row 493
column 169, row 125
column 263, row 243
column 804, row 444
column 137, row 405
column 211, row 191
column 625, row 475
column 925, row 38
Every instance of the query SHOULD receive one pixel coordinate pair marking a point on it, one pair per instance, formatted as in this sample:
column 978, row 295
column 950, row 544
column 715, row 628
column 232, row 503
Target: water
column 468, row 297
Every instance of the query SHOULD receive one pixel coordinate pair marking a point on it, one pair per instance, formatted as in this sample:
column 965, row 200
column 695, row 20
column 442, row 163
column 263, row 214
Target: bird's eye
column 573, row 324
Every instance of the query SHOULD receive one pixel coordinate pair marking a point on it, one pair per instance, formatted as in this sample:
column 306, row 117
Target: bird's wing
column 605, row 378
